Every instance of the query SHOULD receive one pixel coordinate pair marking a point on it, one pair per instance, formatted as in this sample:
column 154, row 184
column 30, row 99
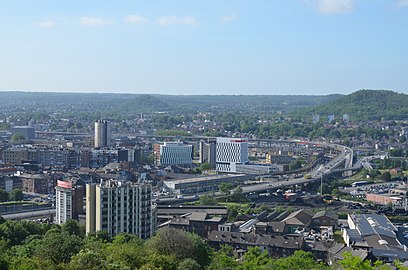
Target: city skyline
column 312, row 47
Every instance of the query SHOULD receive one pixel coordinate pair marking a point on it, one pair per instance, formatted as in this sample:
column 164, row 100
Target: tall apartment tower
column 207, row 151
column 69, row 199
column 120, row 207
column 230, row 152
column 102, row 134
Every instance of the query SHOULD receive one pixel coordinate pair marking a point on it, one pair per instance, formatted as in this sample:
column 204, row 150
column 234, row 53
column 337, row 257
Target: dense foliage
column 368, row 105
column 27, row 245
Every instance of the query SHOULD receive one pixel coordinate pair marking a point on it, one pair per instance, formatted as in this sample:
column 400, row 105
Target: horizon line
column 133, row 93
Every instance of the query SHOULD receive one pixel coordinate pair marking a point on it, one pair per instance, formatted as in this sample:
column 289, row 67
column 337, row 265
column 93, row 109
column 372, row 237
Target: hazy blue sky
column 204, row 46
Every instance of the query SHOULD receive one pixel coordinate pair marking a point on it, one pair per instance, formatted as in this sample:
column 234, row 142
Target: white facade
column 68, row 201
column 63, row 205
column 255, row 169
column 102, row 134
column 176, row 153
column 231, row 151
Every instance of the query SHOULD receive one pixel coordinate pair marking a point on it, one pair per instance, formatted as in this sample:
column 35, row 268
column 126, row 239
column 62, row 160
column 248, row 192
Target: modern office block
column 231, row 151
column 27, row 131
column 176, row 153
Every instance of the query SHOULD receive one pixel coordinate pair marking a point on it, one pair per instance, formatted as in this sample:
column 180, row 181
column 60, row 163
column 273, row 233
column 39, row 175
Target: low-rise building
column 197, row 222
column 276, row 246
column 298, row 220
column 201, row 184
column 325, row 219
column 374, row 233
column 37, row 183
column 278, row 159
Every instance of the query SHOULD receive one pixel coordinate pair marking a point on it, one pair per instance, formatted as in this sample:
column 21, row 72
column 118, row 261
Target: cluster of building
column 227, row 155
column 393, row 194
column 368, row 236
column 112, row 206
column 69, row 157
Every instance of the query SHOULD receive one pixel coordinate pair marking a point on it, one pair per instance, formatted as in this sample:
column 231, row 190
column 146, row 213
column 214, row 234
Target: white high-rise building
column 68, row 200
column 102, row 134
column 231, row 151
column 120, row 207
column 176, row 153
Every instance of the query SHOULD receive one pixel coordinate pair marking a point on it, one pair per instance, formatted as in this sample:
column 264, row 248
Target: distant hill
column 366, row 105
column 136, row 103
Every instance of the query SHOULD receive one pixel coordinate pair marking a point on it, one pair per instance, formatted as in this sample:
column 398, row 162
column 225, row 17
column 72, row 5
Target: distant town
column 323, row 178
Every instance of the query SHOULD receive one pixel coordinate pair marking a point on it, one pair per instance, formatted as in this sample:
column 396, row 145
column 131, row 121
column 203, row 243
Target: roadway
column 316, row 174
column 30, row 214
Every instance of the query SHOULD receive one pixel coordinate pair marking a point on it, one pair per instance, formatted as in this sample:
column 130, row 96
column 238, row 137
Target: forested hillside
column 367, row 105
column 117, row 104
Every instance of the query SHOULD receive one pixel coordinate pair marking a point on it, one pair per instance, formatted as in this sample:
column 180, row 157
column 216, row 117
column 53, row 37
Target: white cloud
column 135, row 19
column 402, row 3
column 335, row 6
column 229, row 18
column 46, row 24
column 93, row 21
column 189, row 20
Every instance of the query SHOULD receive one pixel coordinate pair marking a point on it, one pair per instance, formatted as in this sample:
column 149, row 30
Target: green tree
column 17, row 137
column 15, row 232
column 72, row 227
column 88, row 259
column 223, row 259
column 170, row 241
column 386, row 176
column 207, row 200
column 254, row 258
column 351, row 262
column 4, row 196
column 299, row 260
column 156, row 261
column 206, row 166
column 59, row 247
column 226, row 188
column 25, row 263
column 188, row 264
column 179, row 244
column 16, row 195
column 296, row 164
column 233, row 212
column 127, row 249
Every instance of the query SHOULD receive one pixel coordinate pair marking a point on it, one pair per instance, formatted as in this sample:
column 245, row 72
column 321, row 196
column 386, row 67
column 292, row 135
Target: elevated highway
column 30, row 214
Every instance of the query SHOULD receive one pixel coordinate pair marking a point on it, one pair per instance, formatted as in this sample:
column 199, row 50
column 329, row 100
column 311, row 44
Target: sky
column 186, row 47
